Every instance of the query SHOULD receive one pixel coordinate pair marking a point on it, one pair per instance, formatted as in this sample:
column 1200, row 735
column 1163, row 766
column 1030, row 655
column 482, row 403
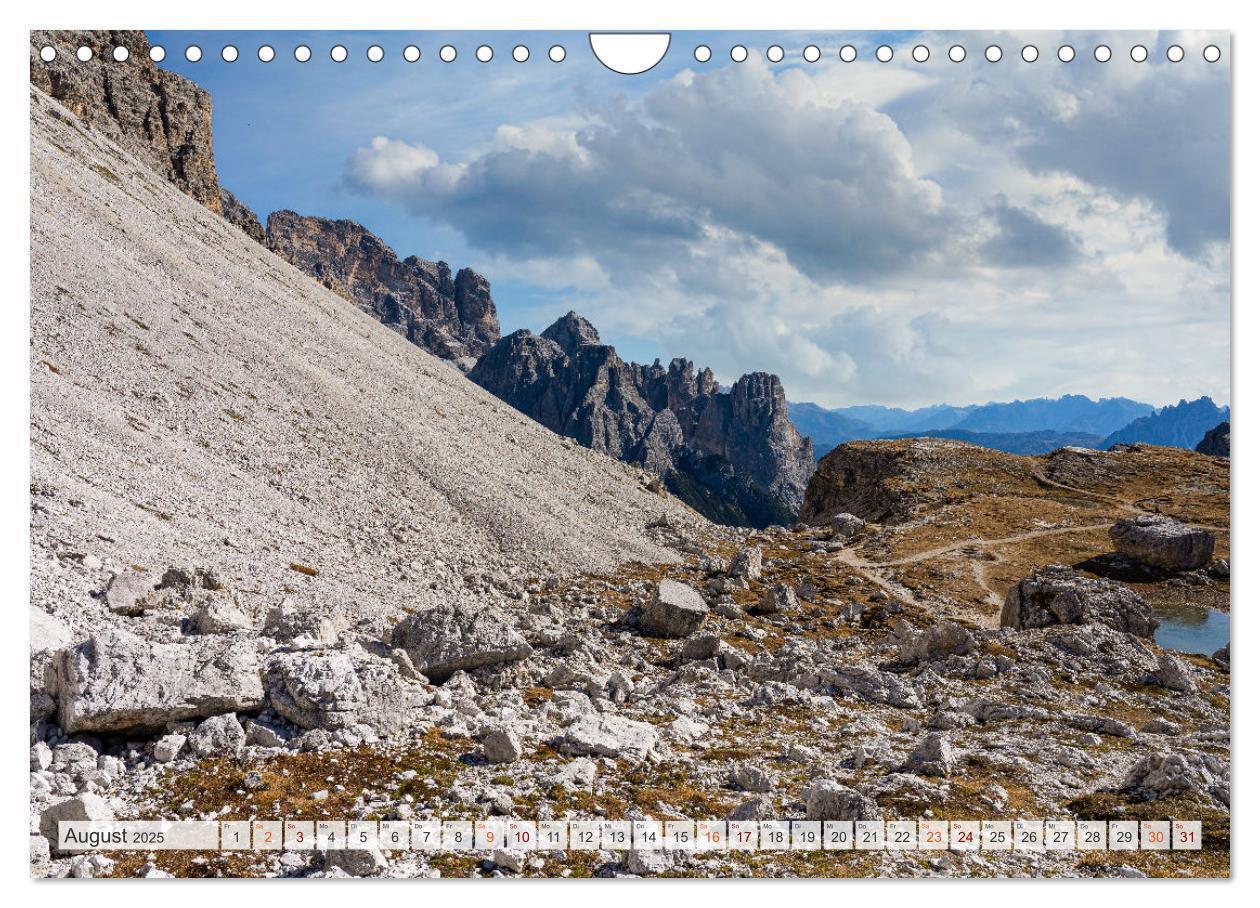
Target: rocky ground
column 286, row 564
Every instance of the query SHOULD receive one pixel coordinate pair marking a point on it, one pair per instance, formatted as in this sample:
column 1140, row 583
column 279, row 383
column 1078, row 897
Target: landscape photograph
column 470, row 455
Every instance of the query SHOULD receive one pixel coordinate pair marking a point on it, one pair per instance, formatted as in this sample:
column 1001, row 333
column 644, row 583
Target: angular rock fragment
column 446, row 639
column 129, row 592
column 218, row 736
column 609, row 736
column 220, row 616
column 115, row 681
column 827, row 800
column 1056, row 594
column 1163, row 542
column 501, row 745
column 1162, row 775
column 942, row 639
column 82, row 807
column 933, row 757
column 777, row 597
column 1172, row 673
column 676, row 610
column 168, row 748
column 746, row 564
column 845, row 525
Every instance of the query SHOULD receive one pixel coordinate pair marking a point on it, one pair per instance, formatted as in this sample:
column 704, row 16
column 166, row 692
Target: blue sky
column 899, row 233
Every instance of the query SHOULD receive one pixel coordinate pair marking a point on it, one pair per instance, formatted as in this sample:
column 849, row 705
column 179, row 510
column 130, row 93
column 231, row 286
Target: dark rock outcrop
column 237, row 212
column 160, row 117
column 450, row 316
column 1215, row 442
column 1181, row 425
column 735, row 457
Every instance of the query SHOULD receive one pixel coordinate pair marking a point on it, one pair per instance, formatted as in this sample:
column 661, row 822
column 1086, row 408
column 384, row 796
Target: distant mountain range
column 1020, row 427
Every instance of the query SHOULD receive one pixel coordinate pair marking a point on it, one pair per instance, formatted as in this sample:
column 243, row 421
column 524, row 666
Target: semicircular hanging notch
column 629, row 53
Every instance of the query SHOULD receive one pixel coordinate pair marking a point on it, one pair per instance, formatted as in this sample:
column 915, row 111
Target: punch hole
column 192, row 53
column 739, row 53
column 375, row 53
column 1067, row 53
column 920, row 53
column 1138, row 53
column 447, row 53
column 84, row 54
column 811, row 53
column 1175, row 53
column 774, row 53
column 121, row 54
column 266, row 53
column 1102, row 53
column 339, row 53
column 47, row 53
column 485, row 53
column 883, row 53
column 958, row 53
column 848, row 53
column 1211, row 53
column 157, row 53
column 411, row 53
column 993, row 53
column 1030, row 53
column 301, row 53
column 702, row 54
column 229, row 54
column 520, row 53
column 556, row 53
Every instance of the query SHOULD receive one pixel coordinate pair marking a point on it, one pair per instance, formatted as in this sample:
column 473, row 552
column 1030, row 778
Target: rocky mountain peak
column 453, row 317
column 572, row 331
column 160, row 117
column 735, row 457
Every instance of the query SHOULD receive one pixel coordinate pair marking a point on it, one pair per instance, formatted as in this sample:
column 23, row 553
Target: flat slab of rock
column 118, row 682
column 86, row 806
column 1163, row 542
column 676, row 610
column 1056, row 594
column 610, row 736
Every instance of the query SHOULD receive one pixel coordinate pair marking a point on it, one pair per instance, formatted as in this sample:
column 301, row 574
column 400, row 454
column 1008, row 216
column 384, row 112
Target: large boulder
column 446, row 639
column 609, row 736
column 1163, row 542
column 676, row 610
column 746, row 564
column 114, row 682
column 336, row 689
column 1056, row 594
column 940, row 640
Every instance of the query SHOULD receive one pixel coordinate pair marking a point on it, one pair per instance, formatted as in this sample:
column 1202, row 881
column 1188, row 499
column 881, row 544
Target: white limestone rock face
column 115, row 681
column 340, row 689
column 446, row 639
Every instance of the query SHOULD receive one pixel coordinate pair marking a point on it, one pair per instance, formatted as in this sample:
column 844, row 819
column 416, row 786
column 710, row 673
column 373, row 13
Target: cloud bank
column 873, row 233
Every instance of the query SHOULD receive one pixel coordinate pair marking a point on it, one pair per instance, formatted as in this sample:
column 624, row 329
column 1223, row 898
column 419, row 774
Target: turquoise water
column 1192, row 630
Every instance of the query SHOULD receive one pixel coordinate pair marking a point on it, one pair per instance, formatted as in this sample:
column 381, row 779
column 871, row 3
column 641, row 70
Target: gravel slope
column 198, row 402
